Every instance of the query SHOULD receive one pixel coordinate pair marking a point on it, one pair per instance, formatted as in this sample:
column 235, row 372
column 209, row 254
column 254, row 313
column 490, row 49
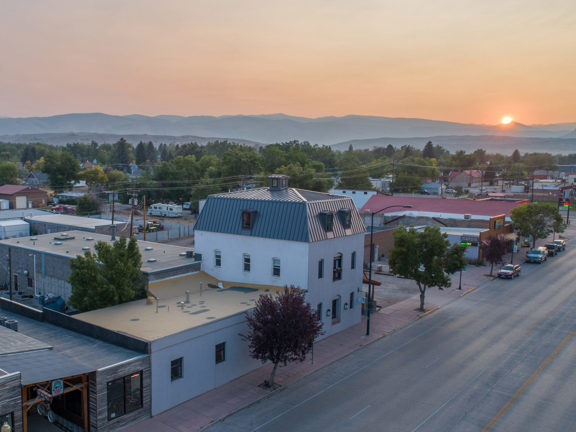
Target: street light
column 370, row 289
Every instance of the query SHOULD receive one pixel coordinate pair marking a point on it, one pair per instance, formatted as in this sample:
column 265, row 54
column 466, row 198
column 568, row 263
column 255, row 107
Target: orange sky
column 457, row 60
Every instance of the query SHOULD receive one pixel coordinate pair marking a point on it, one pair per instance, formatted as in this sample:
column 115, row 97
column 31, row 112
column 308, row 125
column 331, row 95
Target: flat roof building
column 41, row 264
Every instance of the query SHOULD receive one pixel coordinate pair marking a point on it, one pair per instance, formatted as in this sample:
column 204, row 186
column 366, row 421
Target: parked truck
column 166, row 210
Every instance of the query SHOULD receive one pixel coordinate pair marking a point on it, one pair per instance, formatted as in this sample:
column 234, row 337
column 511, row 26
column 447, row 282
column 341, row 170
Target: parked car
column 552, row 249
column 450, row 191
column 561, row 244
column 509, row 271
column 537, row 255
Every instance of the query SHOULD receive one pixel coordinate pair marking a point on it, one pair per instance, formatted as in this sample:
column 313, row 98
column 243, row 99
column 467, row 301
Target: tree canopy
column 426, row 257
column 282, row 328
column 108, row 277
column 537, row 220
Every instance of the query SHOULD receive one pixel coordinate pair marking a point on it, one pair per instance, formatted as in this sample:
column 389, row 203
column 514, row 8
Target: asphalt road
column 502, row 358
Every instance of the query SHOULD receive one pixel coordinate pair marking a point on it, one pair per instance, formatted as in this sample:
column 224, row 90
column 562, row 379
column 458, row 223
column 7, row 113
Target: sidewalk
column 197, row 413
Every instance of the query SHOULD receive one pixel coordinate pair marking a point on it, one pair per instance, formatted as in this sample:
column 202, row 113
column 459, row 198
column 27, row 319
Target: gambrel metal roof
column 286, row 214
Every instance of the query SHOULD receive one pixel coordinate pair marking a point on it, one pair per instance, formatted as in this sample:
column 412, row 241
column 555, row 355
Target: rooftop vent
column 148, row 248
column 33, row 238
column 182, row 254
column 86, row 248
column 467, row 216
column 57, row 243
column 89, row 238
column 151, row 260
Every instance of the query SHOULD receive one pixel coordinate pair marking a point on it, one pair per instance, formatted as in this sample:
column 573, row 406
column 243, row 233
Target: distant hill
column 61, row 139
column 269, row 128
column 490, row 143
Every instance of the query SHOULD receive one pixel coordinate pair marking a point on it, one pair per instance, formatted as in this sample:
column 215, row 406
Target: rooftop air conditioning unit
column 467, row 216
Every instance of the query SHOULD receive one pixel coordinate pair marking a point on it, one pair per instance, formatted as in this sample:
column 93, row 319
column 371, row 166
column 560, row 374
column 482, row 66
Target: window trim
column 351, row 300
column 217, row 258
column 319, row 311
column 246, row 263
column 353, row 260
column 321, row 269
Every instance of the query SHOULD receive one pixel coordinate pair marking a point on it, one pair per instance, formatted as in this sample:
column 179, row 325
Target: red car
column 509, row 271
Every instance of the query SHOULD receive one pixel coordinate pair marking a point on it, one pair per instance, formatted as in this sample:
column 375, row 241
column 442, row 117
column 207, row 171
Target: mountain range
column 339, row 132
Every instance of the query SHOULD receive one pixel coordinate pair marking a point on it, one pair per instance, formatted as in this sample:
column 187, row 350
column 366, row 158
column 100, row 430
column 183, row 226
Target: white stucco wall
column 325, row 289
column 293, row 259
column 299, row 267
column 200, row 371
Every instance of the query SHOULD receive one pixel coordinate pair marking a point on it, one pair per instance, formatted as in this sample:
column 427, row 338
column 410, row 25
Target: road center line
column 526, row 383
column 361, row 411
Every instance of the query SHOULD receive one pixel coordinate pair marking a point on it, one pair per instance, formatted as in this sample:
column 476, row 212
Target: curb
column 434, row 309
column 468, row 292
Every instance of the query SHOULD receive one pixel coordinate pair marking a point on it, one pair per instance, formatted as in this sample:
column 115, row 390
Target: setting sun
column 506, row 120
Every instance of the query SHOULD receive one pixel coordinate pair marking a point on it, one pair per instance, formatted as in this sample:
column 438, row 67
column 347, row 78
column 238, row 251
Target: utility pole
column 144, row 208
column 10, row 273
column 132, row 213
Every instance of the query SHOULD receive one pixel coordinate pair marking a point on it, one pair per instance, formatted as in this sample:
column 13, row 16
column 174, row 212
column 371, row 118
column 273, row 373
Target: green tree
column 141, row 154
column 282, row 329
column 8, row 173
column 88, row 205
column 109, row 277
column 62, row 169
column 94, row 176
column 122, row 155
column 426, row 257
column 537, row 220
column 428, row 151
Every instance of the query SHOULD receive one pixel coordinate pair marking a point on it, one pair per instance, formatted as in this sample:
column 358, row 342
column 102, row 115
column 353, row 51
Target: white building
column 284, row 236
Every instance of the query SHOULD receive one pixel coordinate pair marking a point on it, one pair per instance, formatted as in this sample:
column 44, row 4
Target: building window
column 336, row 310
column 246, row 262
column 248, row 217
column 352, row 300
column 218, row 258
column 319, row 311
column 176, row 369
column 275, row 266
column 220, row 352
column 337, row 267
column 329, row 221
column 7, row 419
column 353, row 260
column 30, row 282
column 346, row 217
column 124, row 395
column 320, row 269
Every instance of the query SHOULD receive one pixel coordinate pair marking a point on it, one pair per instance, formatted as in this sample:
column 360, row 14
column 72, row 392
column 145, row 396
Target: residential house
column 36, row 178
column 465, row 179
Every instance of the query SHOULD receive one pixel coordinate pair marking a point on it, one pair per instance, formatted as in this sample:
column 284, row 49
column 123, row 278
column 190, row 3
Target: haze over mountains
column 339, row 132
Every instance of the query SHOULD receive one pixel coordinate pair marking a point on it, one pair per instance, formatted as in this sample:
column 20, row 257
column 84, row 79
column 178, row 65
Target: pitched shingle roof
column 287, row 214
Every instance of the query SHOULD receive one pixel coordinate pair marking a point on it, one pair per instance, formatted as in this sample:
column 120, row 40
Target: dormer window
column 346, row 217
column 328, row 217
column 248, row 217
